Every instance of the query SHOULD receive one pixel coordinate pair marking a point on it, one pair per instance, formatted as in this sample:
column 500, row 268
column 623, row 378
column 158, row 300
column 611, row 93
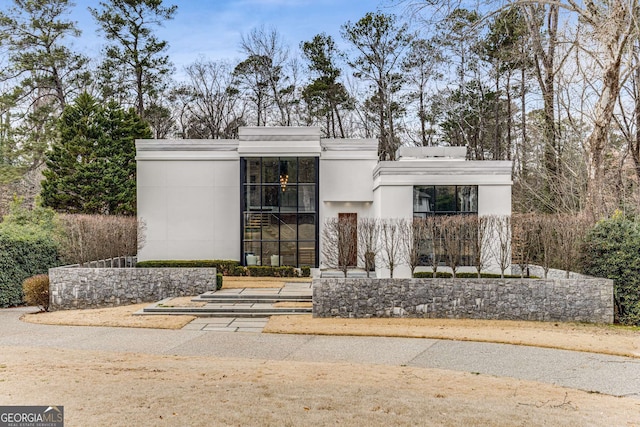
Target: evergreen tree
column 91, row 167
column 134, row 57
column 378, row 43
column 40, row 72
column 325, row 95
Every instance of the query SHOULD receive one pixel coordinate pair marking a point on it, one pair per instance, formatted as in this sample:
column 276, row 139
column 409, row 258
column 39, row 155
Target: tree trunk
column 509, row 112
column 496, row 108
column 523, row 144
column 423, row 119
column 634, row 145
column 597, row 141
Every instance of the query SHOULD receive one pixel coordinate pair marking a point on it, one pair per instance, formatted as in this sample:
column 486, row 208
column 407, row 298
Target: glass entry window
column 280, row 211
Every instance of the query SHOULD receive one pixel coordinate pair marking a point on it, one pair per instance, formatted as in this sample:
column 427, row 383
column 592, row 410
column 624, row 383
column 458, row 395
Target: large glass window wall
column 439, row 200
column 280, row 211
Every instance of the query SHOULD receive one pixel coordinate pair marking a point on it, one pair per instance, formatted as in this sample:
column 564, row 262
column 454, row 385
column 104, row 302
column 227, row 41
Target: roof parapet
column 417, row 153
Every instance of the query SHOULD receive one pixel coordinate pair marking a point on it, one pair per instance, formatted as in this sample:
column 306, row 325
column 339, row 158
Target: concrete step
column 226, row 312
column 217, row 297
column 337, row 274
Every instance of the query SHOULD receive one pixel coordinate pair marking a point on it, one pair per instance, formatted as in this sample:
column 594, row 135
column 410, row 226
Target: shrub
column 84, row 238
column 218, row 281
column 612, row 250
column 429, row 275
column 225, row 267
column 488, row 276
column 24, row 251
column 269, row 271
column 239, row 271
column 446, row 275
column 36, row 291
column 306, row 271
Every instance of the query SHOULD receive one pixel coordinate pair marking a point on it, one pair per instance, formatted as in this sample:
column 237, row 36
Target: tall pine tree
column 91, row 167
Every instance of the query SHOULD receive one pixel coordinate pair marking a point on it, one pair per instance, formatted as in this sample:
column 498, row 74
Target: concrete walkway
column 612, row 375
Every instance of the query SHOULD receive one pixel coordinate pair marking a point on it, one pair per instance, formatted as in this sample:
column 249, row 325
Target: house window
column 280, row 211
column 444, row 200
column 438, row 200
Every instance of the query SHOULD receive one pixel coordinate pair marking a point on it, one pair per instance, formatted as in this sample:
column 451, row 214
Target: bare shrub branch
column 368, row 242
column 479, row 233
column 501, row 246
column 391, row 253
column 338, row 243
column 85, row 238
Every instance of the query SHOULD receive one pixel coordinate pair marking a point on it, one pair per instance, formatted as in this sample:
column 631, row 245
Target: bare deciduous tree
column 213, row 107
column 391, row 245
column 453, row 234
column 570, row 229
column 525, row 241
column 479, row 233
column 547, row 240
column 368, row 242
column 265, row 74
column 433, row 230
column 415, row 241
column 501, row 244
column 85, row 238
column 338, row 243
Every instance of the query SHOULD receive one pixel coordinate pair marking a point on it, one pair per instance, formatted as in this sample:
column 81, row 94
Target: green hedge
column 489, row 276
column 228, row 268
column 429, row 275
column 24, row 252
column 218, row 281
column 225, row 267
column 239, row 271
column 268, row 271
column 306, row 271
column 611, row 249
column 446, row 275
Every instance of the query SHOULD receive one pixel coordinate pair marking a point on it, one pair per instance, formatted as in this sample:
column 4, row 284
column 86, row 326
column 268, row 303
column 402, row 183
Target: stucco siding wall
column 494, row 200
column 346, row 180
column 189, row 209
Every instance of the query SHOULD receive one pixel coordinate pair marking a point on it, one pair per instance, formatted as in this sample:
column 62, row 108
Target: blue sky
column 212, row 29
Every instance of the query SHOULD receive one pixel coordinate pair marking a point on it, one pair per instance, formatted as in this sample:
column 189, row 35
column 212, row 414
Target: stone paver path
column 227, row 324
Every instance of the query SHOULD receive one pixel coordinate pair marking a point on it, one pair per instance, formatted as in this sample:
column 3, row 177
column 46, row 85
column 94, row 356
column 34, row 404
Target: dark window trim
column 297, row 212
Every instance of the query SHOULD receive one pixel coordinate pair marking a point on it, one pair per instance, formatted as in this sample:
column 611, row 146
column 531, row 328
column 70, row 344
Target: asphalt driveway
column 618, row 376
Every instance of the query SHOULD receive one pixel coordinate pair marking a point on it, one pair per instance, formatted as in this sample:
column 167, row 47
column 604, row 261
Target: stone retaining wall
column 77, row 287
column 581, row 300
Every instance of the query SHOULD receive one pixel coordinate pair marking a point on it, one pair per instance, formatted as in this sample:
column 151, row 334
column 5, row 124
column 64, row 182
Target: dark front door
column 348, row 237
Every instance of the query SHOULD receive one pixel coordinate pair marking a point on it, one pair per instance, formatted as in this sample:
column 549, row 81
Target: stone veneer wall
column 580, row 300
column 77, row 287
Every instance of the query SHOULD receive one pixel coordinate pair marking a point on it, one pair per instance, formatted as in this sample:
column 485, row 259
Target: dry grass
column 113, row 316
column 204, row 391
column 293, row 304
column 183, row 302
column 236, row 282
column 603, row 339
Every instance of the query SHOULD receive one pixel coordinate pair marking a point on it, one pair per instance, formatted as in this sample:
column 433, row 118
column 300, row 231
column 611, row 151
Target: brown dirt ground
column 122, row 389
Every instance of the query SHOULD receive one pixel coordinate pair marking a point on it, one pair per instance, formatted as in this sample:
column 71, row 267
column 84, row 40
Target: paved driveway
column 619, row 376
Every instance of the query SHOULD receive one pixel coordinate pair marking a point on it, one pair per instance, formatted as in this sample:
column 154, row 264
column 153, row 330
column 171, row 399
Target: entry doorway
column 348, row 237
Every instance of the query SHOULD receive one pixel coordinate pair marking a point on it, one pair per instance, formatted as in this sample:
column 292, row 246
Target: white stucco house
column 263, row 198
